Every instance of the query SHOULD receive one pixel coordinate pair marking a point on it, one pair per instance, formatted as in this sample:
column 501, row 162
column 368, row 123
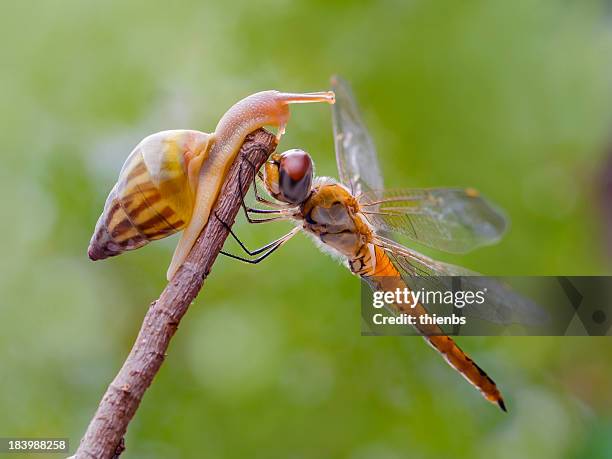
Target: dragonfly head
column 288, row 176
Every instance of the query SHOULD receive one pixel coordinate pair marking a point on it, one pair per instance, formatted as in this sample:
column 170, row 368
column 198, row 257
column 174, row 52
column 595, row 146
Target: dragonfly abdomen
column 372, row 261
column 460, row 361
column 383, row 275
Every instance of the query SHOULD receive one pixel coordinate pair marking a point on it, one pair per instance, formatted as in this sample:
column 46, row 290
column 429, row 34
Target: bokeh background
column 512, row 98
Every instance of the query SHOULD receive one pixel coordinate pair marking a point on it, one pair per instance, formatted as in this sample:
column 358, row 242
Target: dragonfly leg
column 267, row 211
column 252, row 253
column 246, row 209
column 281, row 214
column 268, row 220
column 267, row 202
column 273, row 204
column 267, row 250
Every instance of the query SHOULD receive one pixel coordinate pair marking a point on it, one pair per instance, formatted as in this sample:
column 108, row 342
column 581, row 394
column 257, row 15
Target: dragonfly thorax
column 331, row 214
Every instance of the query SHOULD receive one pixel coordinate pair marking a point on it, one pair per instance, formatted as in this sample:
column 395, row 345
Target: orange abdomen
column 385, row 276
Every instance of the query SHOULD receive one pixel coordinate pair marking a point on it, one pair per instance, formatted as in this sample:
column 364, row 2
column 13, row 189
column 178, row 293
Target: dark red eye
column 295, row 175
column 296, row 164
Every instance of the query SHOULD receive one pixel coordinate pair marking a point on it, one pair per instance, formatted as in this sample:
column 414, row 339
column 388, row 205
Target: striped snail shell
column 154, row 195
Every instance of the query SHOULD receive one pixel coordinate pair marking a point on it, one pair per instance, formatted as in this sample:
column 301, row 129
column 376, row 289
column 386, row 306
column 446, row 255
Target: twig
column 104, row 436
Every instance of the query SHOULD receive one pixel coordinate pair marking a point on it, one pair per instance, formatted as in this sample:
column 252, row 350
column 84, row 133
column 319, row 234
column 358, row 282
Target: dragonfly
column 357, row 220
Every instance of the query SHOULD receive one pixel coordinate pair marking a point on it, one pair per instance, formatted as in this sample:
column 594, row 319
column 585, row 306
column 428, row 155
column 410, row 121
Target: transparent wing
column 356, row 157
column 502, row 306
column 453, row 220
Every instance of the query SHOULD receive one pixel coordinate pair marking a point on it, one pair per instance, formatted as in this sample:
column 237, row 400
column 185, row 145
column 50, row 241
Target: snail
column 171, row 179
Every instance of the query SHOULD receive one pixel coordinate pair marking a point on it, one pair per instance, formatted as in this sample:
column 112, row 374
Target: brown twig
column 104, row 436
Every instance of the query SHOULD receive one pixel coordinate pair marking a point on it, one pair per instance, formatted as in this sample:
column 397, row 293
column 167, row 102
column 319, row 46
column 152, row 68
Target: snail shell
column 154, row 195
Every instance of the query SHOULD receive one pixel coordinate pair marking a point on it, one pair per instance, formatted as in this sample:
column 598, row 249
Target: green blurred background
column 512, row 98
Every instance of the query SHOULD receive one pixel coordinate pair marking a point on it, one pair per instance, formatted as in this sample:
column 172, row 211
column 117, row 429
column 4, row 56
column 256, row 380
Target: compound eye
column 295, row 175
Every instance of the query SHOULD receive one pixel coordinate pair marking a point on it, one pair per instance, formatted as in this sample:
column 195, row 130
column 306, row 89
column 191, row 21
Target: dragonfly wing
column 502, row 306
column 448, row 219
column 356, row 157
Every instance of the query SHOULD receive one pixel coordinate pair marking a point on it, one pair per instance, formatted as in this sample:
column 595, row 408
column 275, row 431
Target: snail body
column 172, row 179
